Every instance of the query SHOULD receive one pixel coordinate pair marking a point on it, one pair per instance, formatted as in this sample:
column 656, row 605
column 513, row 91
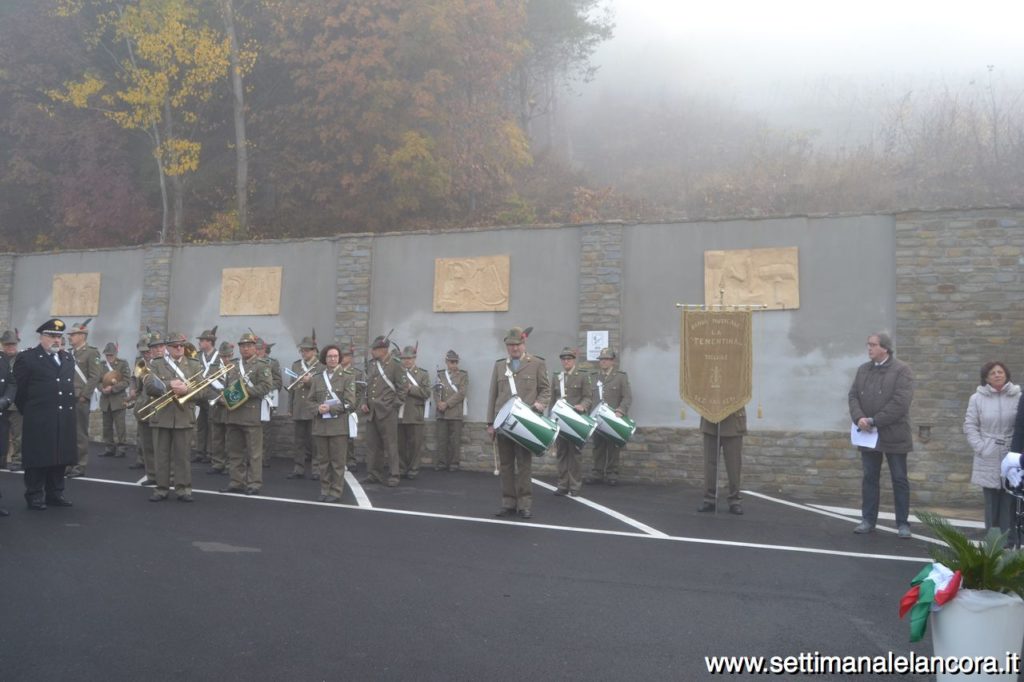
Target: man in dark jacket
column 7, row 393
column 880, row 401
column 45, row 377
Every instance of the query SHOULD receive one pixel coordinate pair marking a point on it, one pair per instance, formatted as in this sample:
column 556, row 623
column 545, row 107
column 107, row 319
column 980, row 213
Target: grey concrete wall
column 804, row 359
column 544, row 271
column 120, row 293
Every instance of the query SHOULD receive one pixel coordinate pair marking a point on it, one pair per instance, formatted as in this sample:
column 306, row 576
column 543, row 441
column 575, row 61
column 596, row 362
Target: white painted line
column 141, row 481
column 889, row 516
column 805, row 507
column 357, row 489
column 571, row 529
column 610, row 512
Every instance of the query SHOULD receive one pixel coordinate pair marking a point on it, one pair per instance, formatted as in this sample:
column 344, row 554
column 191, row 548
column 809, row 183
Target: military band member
column 574, row 386
column 8, row 388
column 332, row 394
column 611, row 386
column 113, row 396
column 727, row 435
column 271, row 399
column 452, row 388
column 386, row 387
column 172, row 426
column 218, row 423
column 45, row 378
column 305, row 369
column 410, row 415
column 347, row 353
column 209, row 359
column 10, row 340
column 146, row 458
column 526, row 376
column 244, row 429
column 88, row 373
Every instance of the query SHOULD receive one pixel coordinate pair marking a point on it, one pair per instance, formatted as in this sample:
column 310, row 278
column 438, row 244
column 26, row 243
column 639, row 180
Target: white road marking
column 805, row 507
column 357, row 490
column 610, row 512
column 573, row 529
column 889, row 516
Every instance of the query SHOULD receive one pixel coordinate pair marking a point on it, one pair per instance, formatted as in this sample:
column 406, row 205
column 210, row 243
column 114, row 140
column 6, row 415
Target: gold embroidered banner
column 716, row 361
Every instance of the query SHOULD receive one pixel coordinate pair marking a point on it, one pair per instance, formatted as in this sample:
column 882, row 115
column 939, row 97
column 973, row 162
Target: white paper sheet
column 863, row 439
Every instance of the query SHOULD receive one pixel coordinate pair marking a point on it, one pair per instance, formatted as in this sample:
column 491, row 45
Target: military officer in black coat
column 45, row 377
column 7, row 394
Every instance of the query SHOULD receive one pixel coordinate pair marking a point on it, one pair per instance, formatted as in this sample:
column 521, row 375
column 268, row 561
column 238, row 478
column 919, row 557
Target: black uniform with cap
column 45, row 378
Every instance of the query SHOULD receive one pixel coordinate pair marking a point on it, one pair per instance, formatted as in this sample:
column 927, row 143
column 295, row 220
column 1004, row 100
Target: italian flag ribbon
column 930, row 590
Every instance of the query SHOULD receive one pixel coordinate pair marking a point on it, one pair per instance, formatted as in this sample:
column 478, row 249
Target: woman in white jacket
column 988, row 425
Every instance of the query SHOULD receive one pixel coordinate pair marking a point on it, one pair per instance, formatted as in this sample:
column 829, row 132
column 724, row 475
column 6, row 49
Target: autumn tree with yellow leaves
column 156, row 63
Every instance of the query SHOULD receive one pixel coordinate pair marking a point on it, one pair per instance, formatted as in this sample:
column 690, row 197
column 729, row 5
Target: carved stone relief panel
column 250, row 291
column 75, row 294
column 471, row 284
column 768, row 277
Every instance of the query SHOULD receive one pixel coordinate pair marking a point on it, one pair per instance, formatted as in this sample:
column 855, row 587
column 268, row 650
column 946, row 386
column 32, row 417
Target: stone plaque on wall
column 463, row 285
column 767, row 277
column 250, row 291
column 76, row 293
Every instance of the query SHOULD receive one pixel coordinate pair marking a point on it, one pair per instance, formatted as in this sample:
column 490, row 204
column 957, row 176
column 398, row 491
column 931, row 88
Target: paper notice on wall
column 596, row 341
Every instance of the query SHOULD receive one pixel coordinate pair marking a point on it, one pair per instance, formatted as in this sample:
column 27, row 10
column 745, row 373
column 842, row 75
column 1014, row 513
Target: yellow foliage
column 77, row 94
column 179, row 156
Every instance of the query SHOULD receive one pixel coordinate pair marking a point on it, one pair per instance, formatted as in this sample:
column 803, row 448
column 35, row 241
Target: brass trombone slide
column 163, row 400
column 302, row 376
column 201, row 385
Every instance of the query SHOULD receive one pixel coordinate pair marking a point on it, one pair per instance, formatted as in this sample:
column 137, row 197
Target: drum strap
column 380, row 368
column 241, row 372
column 81, row 374
column 107, row 363
column 330, row 390
column 207, row 364
column 511, row 379
column 600, row 390
column 561, row 385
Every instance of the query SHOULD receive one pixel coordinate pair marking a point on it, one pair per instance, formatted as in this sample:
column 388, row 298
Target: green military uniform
column 611, row 386
column 386, row 386
column 145, row 457
column 209, row 361
column 574, row 387
column 330, row 435
column 113, row 403
column 727, row 434
column 452, row 388
column 88, row 373
column 360, row 379
column 303, row 412
column 244, row 430
column 277, row 381
column 10, row 339
column 528, row 379
column 410, row 417
column 173, row 425
column 218, row 414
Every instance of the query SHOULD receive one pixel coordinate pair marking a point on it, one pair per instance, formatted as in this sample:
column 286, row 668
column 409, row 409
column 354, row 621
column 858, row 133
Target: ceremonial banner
column 716, row 361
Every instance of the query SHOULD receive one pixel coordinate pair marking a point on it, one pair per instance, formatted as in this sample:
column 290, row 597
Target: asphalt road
column 232, row 587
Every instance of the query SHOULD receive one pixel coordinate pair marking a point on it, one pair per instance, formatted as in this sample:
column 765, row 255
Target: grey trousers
column 1000, row 509
column 871, row 461
column 732, row 452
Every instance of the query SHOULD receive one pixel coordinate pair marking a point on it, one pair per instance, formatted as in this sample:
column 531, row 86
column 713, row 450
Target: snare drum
column 575, row 426
column 618, row 429
column 517, row 422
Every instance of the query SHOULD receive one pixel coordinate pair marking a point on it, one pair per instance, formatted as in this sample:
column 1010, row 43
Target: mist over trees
column 127, row 122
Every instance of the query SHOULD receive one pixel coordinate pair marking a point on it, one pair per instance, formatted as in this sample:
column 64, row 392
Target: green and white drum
column 517, row 422
column 575, row 426
column 619, row 429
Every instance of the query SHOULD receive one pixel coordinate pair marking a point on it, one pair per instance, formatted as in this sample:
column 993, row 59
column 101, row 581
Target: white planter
column 978, row 623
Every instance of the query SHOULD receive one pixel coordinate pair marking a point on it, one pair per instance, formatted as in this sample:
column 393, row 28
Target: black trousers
column 38, row 478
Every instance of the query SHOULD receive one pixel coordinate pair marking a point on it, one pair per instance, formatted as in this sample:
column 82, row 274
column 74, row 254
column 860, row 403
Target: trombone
column 201, row 385
column 302, row 376
column 165, row 399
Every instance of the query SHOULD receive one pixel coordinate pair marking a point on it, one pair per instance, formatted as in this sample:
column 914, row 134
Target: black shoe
column 593, row 480
column 504, row 511
column 252, row 491
column 157, row 497
column 736, row 509
column 149, row 481
column 330, row 499
column 137, row 465
column 107, row 453
column 57, row 502
column 185, row 498
column 296, row 474
column 454, row 467
column 560, row 492
column 440, row 468
column 36, row 505
column 706, row 507
column 213, row 471
column 314, row 477
column 4, row 512
column 322, row 498
column 574, row 493
column 120, row 455
column 230, row 489
column 525, row 514
column 369, row 480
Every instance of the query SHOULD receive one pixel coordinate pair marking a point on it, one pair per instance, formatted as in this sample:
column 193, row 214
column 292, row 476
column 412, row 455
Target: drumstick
column 495, row 444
